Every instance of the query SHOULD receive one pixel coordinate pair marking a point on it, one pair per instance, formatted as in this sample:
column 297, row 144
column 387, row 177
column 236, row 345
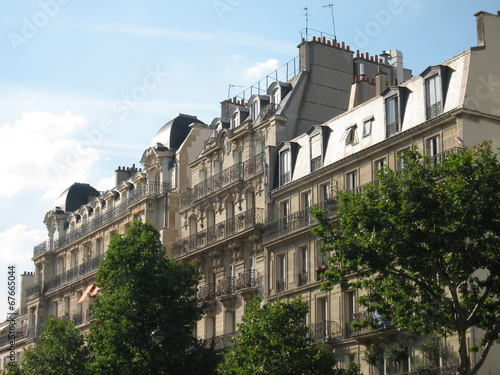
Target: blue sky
column 84, row 86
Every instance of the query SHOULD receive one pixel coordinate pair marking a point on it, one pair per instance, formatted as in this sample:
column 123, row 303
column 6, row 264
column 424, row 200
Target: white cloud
column 42, row 151
column 16, row 250
column 106, row 183
column 260, row 69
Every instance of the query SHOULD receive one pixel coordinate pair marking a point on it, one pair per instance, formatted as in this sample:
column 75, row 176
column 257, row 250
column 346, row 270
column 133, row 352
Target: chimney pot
column 343, row 45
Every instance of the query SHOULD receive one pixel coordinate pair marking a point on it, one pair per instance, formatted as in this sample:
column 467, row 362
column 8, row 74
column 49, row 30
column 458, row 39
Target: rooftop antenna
column 229, row 90
column 333, row 19
column 307, row 22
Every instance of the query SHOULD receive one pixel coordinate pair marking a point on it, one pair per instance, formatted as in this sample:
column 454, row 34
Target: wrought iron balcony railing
column 206, row 292
column 438, row 158
column 77, row 318
column 327, row 331
column 6, row 338
column 303, row 278
column 372, row 320
column 249, row 279
column 280, row 285
column 226, row 286
column 267, row 111
column 74, row 273
column 34, row 289
column 149, row 189
column 245, row 220
column 237, row 172
column 434, row 110
column 315, row 163
column 392, row 129
column 222, row 342
column 296, row 221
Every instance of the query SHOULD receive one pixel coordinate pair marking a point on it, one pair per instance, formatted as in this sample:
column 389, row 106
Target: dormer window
column 391, row 116
column 318, row 139
column 277, row 95
column 433, row 96
column 395, row 107
column 350, row 135
column 255, row 110
column 235, row 119
column 436, row 81
column 285, row 167
column 367, row 127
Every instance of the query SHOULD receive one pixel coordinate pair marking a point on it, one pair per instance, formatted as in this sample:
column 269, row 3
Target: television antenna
column 333, row 19
column 229, row 90
column 307, row 21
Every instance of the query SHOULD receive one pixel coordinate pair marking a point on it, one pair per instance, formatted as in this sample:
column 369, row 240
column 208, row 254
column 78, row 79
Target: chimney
column 488, row 27
column 380, row 81
column 397, row 62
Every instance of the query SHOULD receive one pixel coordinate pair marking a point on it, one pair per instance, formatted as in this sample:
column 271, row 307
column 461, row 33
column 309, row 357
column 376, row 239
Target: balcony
column 84, row 269
column 218, row 232
column 438, row 158
column 299, row 220
column 206, row 293
column 250, row 279
column 316, row 163
column 268, row 111
column 77, row 318
column 327, row 331
column 237, row 172
column 149, row 189
column 222, row 342
column 434, row 371
column 285, row 178
column 226, row 286
column 21, row 332
column 373, row 324
column 34, row 289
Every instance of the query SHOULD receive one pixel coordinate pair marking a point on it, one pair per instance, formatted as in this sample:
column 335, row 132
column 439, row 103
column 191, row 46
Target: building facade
column 234, row 197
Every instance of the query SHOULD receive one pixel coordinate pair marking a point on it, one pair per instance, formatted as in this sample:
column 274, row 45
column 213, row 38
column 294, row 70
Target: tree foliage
column 62, row 350
column 424, row 242
column 274, row 340
column 140, row 291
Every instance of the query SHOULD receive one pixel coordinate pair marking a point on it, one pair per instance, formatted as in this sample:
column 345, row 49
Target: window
column 391, row 116
column 237, row 156
column 252, row 262
column 351, row 181
column 350, row 135
column 74, row 258
column 98, row 246
column 217, row 167
column 433, row 149
column 203, row 175
column 260, row 146
column 327, row 191
column 277, row 96
column 378, row 165
column 281, row 284
column 285, row 208
column 303, row 266
column 307, row 199
column 315, row 143
column 351, row 308
column 399, row 161
column 433, row 96
column 229, row 321
column 367, row 127
column 255, row 110
column 235, row 119
column 322, row 310
column 284, row 166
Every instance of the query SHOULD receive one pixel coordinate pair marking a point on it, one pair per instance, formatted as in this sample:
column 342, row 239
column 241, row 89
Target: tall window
column 327, row 191
column 252, row 263
column 433, row 149
column 379, row 164
column 307, row 199
column 255, row 110
column 285, row 167
column 277, row 96
column 391, row 116
column 351, row 181
column 350, row 135
column 433, row 96
column 236, row 119
column 237, row 156
column 303, row 266
column 281, row 273
column 285, row 208
column 217, row 166
column 74, row 258
column 322, row 310
column 315, row 143
column 98, row 246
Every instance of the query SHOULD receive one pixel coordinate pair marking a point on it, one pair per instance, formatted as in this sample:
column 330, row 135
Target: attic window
column 350, row 135
column 235, row 120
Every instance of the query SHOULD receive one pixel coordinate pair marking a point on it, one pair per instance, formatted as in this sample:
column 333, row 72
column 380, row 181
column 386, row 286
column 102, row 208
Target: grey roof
column 174, row 132
column 75, row 196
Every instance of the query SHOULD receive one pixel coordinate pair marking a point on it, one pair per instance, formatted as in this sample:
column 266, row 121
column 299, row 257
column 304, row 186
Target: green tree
column 141, row 291
column 274, row 340
column 62, row 350
column 424, row 242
